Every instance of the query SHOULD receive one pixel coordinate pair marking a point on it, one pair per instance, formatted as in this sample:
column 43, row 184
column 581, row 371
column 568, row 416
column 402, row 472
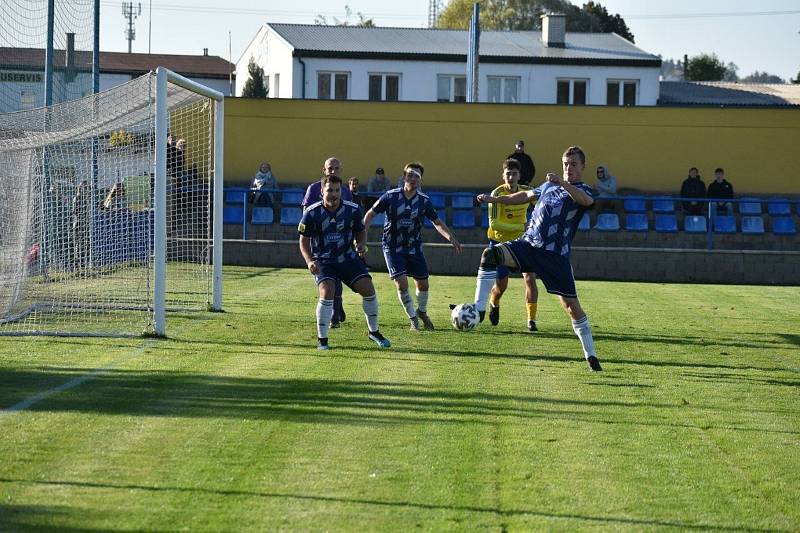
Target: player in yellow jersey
column 507, row 223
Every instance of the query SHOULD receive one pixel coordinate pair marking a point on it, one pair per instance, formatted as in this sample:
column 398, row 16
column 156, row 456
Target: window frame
column 503, row 85
column 332, row 95
column 452, row 87
column 621, row 84
column 27, row 94
column 571, row 97
column 384, row 85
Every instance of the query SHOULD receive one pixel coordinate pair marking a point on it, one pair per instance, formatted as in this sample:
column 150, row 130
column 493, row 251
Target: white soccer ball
column 464, row 317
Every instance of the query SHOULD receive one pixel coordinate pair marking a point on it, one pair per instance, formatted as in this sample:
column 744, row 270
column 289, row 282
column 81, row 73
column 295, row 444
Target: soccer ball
column 464, row 317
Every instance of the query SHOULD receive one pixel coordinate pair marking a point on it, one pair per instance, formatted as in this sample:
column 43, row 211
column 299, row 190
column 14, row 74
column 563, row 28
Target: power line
column 712, row 15
column 277, row 12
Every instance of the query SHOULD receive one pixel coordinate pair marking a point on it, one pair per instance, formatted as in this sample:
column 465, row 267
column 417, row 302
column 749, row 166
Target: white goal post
column 111, row 210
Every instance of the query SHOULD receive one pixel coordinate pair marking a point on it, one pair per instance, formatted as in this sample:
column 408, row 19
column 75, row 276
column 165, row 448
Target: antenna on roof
column 433, row 12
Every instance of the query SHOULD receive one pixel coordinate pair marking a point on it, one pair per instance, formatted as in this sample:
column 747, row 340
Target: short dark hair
column 331, row 179
column 511, row 164
column 719, row 169
column 414, row 164
column 694, row 168
column 575, row 150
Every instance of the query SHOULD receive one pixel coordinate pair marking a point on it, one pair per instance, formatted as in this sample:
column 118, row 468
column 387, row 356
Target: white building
column 22, row 73
column 429, row 65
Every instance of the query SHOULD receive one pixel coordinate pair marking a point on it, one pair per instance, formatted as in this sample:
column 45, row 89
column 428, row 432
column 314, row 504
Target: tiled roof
column 511, row 46
column 119, row 62
column 728, row 94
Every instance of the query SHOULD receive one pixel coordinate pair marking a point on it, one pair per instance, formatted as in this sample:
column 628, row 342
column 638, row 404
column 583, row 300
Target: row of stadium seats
column 294, row 196
column 668, row 223
column 745, row 206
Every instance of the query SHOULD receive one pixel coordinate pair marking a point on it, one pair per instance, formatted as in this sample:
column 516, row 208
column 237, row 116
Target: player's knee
column 490, row 258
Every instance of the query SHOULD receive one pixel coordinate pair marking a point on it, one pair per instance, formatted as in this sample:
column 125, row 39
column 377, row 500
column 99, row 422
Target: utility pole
column 433, row 12
column 131, row 12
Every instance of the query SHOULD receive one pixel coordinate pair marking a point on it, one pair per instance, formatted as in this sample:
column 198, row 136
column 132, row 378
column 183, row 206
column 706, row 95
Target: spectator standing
column 81, row 213
column 693, row 187
column 527, row 170
column 606, row 187
column 721, row 188
column 353, row 185
column 263, row 182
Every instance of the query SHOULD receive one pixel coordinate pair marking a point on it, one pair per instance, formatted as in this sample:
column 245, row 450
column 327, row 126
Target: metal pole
column 219, row 177
column 48, row 55
column 472, row 57
column 160, row 231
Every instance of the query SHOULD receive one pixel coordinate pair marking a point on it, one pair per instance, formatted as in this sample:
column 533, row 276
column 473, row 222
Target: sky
column 762, row 35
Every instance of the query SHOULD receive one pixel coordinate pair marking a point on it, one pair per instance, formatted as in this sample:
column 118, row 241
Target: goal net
column 106, row 203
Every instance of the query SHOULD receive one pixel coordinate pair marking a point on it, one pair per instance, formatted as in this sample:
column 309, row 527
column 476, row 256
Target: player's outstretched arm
column 368, row 217
column 448, row 234
column 578, row 195
column 521, row 197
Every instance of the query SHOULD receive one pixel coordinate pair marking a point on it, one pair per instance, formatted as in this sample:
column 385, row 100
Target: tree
column 762, row 77
column 704, row 67
column 797, row 79
column 526, row 15
column 254, row 87
column 363, row 22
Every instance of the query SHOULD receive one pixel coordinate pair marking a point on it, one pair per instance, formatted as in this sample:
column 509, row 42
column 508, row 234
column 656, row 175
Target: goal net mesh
column 77, row 185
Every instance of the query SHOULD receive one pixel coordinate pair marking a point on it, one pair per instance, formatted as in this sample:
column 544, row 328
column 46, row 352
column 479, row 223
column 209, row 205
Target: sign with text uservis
column 21, row 77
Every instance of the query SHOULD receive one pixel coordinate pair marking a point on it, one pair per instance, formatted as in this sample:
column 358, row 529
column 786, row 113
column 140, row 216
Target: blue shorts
column 348, row 272
column 553, row 269
column 405, row 264
column 502, row 270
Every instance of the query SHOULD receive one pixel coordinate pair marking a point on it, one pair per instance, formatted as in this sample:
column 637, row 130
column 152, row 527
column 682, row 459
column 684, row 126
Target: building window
column 504, row 90
column 27, row 100
column 332, row 85
column 571, row 92
column 451, row 88
column 621, row 92
column 277, row 85
column 384, row 87
column 266, row 85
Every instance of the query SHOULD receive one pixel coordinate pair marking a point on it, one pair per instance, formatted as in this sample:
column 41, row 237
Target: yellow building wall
column 463, row 145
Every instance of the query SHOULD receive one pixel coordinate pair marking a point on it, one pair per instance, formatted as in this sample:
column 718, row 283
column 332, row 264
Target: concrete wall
column 590, row 263
column 463, row 145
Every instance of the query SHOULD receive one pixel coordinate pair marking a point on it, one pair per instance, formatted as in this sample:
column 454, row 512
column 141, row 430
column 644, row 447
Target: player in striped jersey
column 406, row 209
column 507, row 223
column 545, row 246
column 327, row 231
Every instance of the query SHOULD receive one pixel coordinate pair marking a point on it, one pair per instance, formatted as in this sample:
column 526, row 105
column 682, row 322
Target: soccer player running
column 327, row 231
column 406, row 209
column 545, row 247
column 506, row 223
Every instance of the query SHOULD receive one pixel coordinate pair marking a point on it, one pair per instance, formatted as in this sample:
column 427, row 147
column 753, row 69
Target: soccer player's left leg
column 582, row 328
column 366, row 289
column 487, row 275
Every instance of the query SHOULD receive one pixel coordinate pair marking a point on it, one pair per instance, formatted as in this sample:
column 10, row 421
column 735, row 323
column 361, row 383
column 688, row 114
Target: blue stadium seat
column 636, row 222
column 634, row 205
column 232, row 215
column 262, row 215
column 463, row 218
column 437, row 199
column 751, row 207
column 485, row 218
column 666, row 223
column 783, row 226
column 290, row 216
column 235, row 197
column 427, row 223
column 753, row 225
column 695, row 224
column 663, row 204
column 462, row 201
column 585, row 224
column 607, row 222
column 779, row 207
column 292, row 197
column 378, row 220
column 724, row 224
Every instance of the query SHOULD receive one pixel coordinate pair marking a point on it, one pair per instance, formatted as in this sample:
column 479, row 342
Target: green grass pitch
column 236, row 422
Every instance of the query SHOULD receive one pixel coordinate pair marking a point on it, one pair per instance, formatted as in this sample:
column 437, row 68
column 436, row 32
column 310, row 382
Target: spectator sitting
column 606, row 186
column 262, row 183
column 693, row 187
column 379, row 183
column 353, row 184
column 721, row 188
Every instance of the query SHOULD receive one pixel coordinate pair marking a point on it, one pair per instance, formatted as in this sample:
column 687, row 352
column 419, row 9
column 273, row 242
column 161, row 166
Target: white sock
column 422, row 300
column 324, row 314
column 483, row 287
column 408, row 302
column 370, row 305
column 583, row 330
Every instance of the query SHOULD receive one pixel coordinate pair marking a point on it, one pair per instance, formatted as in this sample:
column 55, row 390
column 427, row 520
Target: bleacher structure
column 96, row 237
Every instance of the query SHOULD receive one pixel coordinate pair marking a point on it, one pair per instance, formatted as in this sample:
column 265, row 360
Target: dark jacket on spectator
column 527, row 170
column 693, row 188
column 722, row 189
